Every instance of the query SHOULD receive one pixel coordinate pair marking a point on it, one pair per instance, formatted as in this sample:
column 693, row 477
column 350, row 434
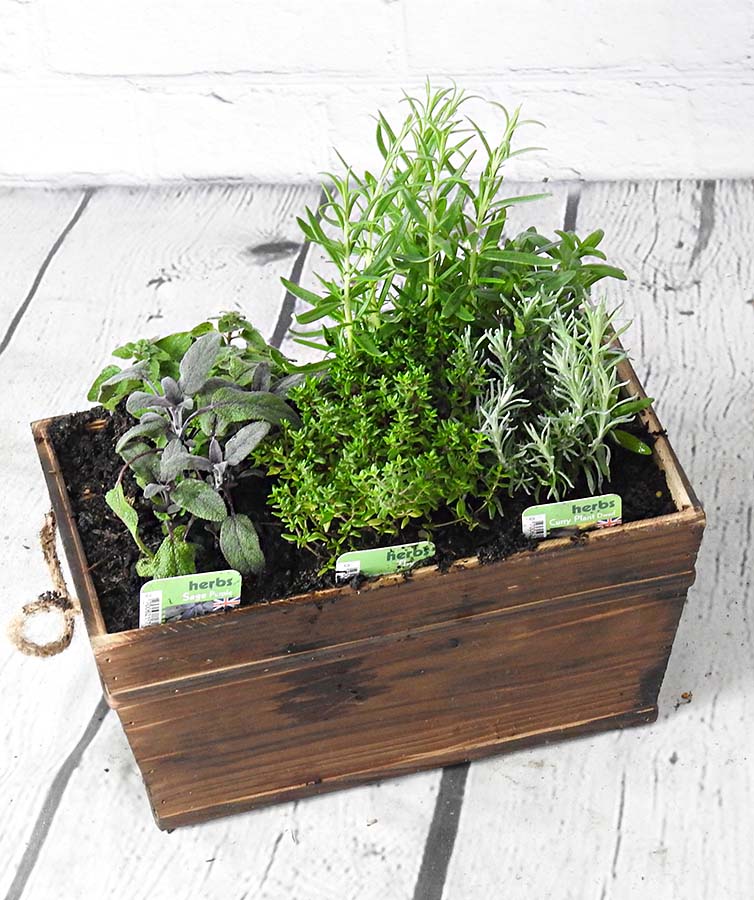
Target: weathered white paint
column 101, row 91
column 663, row 811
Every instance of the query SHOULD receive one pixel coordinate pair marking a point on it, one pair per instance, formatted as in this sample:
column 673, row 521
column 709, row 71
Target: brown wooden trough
column 338, row 688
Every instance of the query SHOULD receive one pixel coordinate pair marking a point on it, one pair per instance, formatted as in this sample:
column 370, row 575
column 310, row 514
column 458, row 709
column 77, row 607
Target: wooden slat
column 30, row 223
column 206, row 646
column 46, row 704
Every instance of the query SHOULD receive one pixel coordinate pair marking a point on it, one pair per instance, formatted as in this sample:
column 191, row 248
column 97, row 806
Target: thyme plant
column 462, row 364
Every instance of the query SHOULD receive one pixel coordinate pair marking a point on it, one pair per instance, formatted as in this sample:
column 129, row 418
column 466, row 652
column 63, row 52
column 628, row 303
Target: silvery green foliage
column 192, row 442
column 552, row 399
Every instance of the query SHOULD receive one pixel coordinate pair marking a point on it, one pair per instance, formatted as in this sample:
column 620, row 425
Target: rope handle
column 58, row 599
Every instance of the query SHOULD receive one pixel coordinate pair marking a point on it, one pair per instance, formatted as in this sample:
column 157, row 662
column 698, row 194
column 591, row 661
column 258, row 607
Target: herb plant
column 203, row 400
column 461, row 364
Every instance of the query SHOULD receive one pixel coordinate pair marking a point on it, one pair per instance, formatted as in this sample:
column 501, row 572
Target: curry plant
column 462, row 364
column 195, row 431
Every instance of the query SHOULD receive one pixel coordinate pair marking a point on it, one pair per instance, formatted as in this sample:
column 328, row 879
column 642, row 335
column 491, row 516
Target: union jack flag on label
column 225, row 603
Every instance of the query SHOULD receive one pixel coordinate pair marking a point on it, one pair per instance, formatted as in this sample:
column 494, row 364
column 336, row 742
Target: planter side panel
column 210, row 649
column 401, row 702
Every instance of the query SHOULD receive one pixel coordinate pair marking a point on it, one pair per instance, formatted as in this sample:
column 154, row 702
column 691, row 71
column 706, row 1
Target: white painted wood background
column 664, row 811
column 152, row 90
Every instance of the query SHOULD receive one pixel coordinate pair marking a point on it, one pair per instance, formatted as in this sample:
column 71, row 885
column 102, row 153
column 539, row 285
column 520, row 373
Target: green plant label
column 186, row 596
column 602, row 511
column 382, row 560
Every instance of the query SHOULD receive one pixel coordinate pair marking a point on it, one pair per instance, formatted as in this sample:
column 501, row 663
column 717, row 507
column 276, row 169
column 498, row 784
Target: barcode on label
column 534, row 526
column 346, row 571
column 151, row 608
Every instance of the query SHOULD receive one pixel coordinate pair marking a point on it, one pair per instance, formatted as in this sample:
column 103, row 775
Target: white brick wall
column 150, row 90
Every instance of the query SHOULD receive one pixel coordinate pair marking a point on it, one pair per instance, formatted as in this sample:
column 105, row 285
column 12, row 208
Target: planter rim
column 688, row 508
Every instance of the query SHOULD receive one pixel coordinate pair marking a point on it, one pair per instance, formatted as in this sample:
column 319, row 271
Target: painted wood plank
column 47, row 704
column 30, row 223
column 193, row 245
column 639, row 813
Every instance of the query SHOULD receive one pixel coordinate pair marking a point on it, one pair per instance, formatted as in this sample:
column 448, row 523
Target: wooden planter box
column 337, row 688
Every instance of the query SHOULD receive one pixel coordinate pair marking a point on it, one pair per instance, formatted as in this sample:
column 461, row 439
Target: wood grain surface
column 661, row 811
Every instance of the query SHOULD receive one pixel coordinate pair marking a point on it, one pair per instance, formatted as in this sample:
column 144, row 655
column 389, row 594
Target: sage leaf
column 199, row 499
column 244, row 441
column 134, row 373
column 142, row 460
column 239, row 544
column 176, row 459
column 174, row 556
column 150, row 428
column 141, row 400
column 287, row 384
column 171, row 390
column 197, row 362
column 232, row 405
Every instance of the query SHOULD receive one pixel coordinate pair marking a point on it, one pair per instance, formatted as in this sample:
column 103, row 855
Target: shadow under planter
column 340, row 687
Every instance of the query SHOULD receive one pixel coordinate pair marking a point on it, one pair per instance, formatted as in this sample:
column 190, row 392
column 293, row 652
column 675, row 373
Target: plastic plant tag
column 382, row 560
column 602, row 511
column 186, row 596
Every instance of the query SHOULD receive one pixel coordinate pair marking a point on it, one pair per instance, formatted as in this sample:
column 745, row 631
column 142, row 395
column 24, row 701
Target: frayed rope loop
column 57, row 599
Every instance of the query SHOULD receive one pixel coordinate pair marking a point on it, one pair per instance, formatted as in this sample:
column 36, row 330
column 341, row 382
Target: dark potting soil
column 84, row 444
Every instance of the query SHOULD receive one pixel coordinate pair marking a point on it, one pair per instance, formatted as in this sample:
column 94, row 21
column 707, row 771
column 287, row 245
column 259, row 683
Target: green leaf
column 176, row 345
column 324, row 308
column 127, row 351
column 198, row 361
column 600, row 271
column 154, row 428
column 94, row 391
column 519, row 258
column 143, row 461
column 132, row 373
column 239, row 544
column 523, row 198
column 199, row 499
column 175, row 459
column 118, row 503
column 232, row 405
column 244, row 441
column 454, row 302
column 631, row 407
column 301, row 293
column 629, row 442
column 142, row 400
column 593, row 239
column 174, row 556
column 365, row 341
